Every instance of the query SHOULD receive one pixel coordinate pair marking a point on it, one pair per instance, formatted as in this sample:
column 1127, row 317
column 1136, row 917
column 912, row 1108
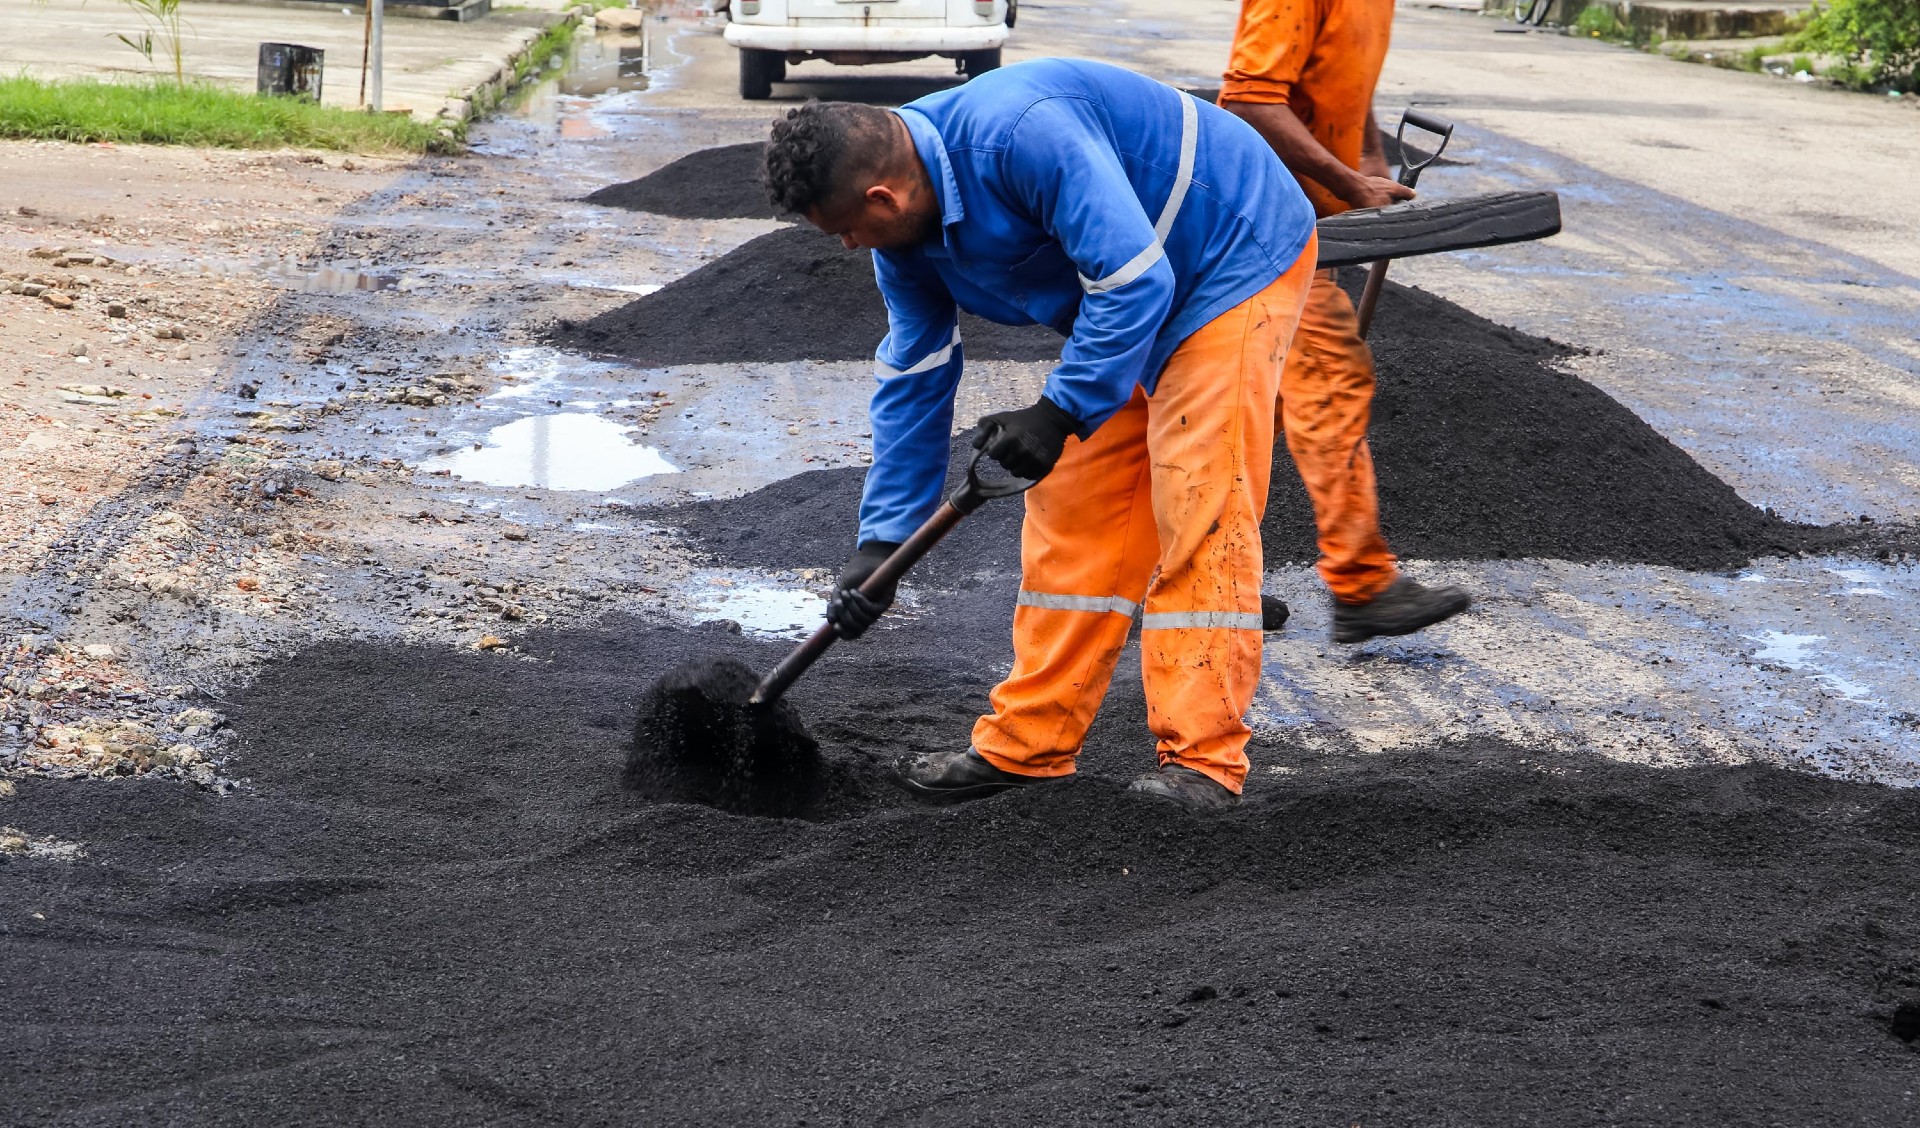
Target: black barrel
column 290, row 69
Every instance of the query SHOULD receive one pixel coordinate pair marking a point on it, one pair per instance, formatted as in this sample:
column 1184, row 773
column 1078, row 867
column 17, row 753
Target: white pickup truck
column 772, row 33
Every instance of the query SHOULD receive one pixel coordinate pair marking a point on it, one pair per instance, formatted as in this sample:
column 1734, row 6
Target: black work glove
column 852, row 611
column 1028, row 441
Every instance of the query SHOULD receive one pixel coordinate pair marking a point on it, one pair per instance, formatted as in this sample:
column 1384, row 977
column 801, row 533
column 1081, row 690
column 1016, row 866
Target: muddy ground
column 327, row 655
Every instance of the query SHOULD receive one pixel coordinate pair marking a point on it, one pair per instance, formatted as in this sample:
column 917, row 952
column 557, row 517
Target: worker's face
column 886, row 217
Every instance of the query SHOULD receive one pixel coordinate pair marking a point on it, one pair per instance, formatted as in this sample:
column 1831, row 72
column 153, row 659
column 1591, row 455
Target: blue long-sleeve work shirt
column 1113, row 208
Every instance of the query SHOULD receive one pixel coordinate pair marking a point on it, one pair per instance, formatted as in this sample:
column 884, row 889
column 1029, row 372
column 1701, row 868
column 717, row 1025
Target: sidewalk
column 432, row 69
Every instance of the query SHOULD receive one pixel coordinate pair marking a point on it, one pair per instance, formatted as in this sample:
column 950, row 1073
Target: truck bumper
column 887, row 40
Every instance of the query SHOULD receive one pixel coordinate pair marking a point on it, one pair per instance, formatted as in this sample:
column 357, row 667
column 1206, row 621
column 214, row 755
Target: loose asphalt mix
column 810, row 299
column 436, row 904
column 724, row 182
column 1483, row 449
column 434, row 901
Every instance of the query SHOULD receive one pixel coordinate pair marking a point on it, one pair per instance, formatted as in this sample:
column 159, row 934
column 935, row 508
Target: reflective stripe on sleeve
column 1136, row 266
column 1190, row 620
column 1053, row 602
column 931, row 361
column 1182, row 180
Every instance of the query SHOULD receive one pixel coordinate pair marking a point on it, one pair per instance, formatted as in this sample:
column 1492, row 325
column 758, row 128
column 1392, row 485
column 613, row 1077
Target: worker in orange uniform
column 1172, row 252
column 1302, row 74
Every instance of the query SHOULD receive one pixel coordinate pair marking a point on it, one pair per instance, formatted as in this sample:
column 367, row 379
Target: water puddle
column 1795, row 652
column 331, row 280
column 761, row 609
column 290, row 275
column 1863, row 581
column 609, row 62
column 565, row 451
column 598, row 64
column 642, row 289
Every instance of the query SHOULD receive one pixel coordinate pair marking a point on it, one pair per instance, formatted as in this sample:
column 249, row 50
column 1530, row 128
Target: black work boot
column 1273, row 613
column 941, row 778
column 1193, row 790
column 1403, row 608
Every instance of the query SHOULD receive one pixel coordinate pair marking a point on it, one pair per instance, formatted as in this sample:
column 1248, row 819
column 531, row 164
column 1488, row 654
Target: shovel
column 707, row 733
column 969, row 497
column 1410, row 171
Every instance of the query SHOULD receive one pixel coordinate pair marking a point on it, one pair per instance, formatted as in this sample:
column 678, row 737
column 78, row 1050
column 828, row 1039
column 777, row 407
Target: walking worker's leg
column 1210, row 434
column 1326, row 398
column 1086, row 549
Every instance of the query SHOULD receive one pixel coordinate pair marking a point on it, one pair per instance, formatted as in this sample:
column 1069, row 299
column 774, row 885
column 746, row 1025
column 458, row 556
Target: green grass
column 166, row 113
column 1600, row 23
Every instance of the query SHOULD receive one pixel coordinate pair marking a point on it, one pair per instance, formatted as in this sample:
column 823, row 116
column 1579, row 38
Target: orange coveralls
column 1321, row 59
column 1162, row 504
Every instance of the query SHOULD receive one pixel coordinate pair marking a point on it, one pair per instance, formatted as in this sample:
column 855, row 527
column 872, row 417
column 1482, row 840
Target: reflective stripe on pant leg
column 1053, row 602
column 1086, row 549
column 1326, row 398
column 1210, row 435
column 1201, row 620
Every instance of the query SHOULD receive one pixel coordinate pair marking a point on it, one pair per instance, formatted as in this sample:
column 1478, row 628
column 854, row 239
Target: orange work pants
column 1326, row 397
column 1161, row 504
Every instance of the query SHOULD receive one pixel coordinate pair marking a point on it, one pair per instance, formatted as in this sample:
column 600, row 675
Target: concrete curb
column 457, row 110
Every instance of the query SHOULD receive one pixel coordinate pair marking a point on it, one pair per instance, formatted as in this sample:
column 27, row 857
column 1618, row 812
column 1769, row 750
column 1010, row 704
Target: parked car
column 773, row 33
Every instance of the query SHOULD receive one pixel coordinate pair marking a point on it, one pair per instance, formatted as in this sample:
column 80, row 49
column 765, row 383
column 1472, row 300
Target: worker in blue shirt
column 1162, row 238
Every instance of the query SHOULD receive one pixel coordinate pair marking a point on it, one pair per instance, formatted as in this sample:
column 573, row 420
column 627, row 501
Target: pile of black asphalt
column 435, row 903
column 791, row 294
column 719, row 183
column 1484, row 446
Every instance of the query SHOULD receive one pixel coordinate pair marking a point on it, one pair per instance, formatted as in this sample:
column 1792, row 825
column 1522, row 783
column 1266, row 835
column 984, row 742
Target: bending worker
column 1302, row 74
column 1169, row 246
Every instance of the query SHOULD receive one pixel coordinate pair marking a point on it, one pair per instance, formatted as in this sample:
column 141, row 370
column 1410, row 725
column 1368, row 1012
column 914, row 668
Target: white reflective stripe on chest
column 926, row 363
column 1189, row 620
column 1182, row 180
column 1102, row 603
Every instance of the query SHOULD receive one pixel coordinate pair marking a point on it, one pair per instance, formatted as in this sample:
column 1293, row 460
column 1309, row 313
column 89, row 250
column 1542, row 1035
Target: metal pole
column 366, row 46
column 378, row 10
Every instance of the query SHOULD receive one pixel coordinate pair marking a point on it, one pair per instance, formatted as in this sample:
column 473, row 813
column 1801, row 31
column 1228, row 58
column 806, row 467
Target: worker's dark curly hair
column 819, row 149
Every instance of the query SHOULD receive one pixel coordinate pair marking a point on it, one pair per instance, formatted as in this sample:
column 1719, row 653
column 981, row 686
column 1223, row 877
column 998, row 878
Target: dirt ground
column 331, row 586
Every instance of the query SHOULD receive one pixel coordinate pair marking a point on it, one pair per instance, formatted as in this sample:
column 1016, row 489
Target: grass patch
column 1878, row 42
column 1600, row 23
column 168, row 113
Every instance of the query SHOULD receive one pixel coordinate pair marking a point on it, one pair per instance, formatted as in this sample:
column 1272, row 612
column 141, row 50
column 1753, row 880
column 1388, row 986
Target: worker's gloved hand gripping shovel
column 969, row 497
column 1410, row 171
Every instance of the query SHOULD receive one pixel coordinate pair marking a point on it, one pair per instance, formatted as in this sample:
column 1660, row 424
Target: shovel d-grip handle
column 971, row 495
column 1410, row 171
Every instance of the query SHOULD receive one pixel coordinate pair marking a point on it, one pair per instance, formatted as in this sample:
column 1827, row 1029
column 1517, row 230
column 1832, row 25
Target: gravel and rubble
column 189, row 486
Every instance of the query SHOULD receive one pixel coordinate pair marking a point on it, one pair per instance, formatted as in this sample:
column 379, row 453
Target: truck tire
column 759, row 70
column 977, row 63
